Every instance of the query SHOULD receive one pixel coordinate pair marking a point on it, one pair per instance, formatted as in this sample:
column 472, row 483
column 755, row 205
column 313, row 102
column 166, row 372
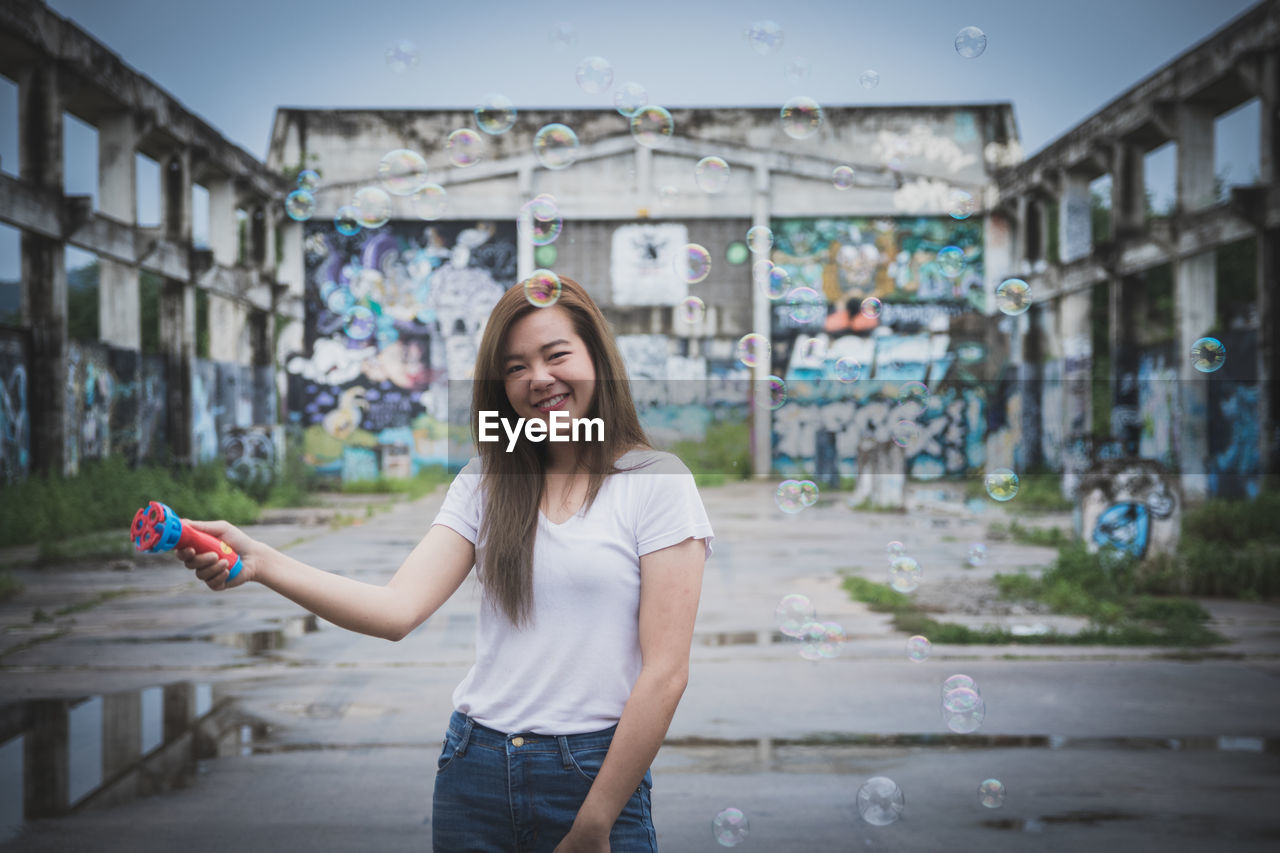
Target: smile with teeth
column 552, row 402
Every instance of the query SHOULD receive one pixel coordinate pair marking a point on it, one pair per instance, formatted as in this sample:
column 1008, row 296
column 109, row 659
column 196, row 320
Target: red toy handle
column 204, row 543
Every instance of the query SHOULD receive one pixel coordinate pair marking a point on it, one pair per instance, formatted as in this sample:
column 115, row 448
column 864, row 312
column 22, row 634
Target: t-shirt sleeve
column 461, row 508
column 671, row 509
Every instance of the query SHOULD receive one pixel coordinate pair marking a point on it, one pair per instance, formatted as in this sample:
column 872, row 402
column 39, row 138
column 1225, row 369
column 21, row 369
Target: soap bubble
column 753, row 349
column 360, row 323
column 495, row 115
column 913, row 392
column 869, row 79
column 966, row 721
column 562, row 35
column 961, row 700
column 730, row 827
column 961, row 204
column 801, row 117
column 977, row 555
column 1013, row 296
column 918, row 649
column 895, row 549
column 776, row 281
column 991, row 793
column 652, row 126
column 692, row 310
column 556, row 146
column 951, row 261
column 848, row 369
column 880, row 801
column 794, row 611
column 374, row 205
column 777, row 394
column 1208, row 354
column 905, row 433
column 808, row 492
column 430, row 202
column 765, row 37
column 957, row 681
column 971, row 42
column 542, row 288
column 693, row 263
column 760, row 239
column 402, row 172
column 629, row 98
column 308, row 179
column 806, row 305
column 542, row 232
column 347, row 219
column 797, row 69
column 594, row 75
column 842, row 177
column 402, row 56
column 300, row 205
column 904, row 574
column 711, row 174
column 871, row 308
column 1002, row 484
column 832, row 640
column 465, row 147
column 788, row 496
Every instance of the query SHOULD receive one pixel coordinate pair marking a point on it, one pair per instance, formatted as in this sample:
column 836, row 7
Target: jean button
column 517, row 741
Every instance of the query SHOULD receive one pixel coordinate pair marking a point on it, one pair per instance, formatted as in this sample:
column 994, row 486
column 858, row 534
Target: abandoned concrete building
column 341, row 303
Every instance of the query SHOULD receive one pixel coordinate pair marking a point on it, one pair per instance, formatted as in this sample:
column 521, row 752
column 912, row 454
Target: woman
column 590, row 558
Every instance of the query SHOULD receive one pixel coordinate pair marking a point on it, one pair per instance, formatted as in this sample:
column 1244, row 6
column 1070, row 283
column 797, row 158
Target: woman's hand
column 584, row 841
column 212, row 568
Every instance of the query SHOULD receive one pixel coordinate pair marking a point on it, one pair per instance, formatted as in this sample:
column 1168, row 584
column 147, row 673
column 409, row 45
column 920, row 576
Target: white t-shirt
column 572, row 668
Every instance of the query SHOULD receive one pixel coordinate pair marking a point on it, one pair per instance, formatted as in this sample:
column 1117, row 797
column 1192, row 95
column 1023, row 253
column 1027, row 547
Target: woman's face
column 547, row 366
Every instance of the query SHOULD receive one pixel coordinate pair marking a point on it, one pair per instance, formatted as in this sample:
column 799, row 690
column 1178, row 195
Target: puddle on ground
column 58, row 756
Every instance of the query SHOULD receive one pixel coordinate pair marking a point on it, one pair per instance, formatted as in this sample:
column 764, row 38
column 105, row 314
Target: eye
column 513, row 368
column 558, row 355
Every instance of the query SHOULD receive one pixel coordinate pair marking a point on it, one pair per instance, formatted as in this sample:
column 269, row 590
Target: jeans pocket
column 587, row 762
column 447, row 752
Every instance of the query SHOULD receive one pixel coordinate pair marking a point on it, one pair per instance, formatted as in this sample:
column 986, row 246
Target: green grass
column 423, row 483
column 107, row 493
column 722, row 456
column 10, row 587
column 1050, row 537
column 1037, row 492
column 102, row 545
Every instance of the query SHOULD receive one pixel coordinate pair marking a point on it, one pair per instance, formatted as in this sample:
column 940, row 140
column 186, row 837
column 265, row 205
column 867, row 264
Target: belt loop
column 465, row 737
column 565, row 756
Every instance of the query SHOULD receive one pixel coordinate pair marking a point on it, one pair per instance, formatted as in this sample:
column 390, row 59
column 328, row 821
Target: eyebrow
column 561, row 342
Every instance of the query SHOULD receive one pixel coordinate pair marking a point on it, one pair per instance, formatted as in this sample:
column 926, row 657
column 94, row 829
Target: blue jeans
column 519, row 793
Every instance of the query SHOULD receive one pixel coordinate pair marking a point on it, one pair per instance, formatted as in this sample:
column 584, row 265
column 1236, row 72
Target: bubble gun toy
column 157, row 528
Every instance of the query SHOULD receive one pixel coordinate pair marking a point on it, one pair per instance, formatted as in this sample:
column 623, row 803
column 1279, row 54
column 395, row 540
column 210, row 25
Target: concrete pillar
column 1077, row 378
column 121, row 732
column 1268, row 271
column 1195, row 283
column 224, row 236
column 178, row 344
column 228, row 330
column 1075, row 229
column 44, row 276
column 1022, row 262
column 175, row 192
column 761, row 314
column 1128, row 190
column 45, row 788
column 119, row 314
column 1195, row 157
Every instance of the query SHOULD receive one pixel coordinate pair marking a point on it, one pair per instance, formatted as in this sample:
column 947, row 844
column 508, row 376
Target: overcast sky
column 233, row 62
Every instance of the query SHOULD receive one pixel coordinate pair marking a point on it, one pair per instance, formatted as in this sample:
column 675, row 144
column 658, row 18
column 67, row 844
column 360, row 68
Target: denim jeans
column 519, row 793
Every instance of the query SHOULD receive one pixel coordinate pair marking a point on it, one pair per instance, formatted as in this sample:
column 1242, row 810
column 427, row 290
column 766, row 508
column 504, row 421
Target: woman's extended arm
column 426, row 579
column 670, row 584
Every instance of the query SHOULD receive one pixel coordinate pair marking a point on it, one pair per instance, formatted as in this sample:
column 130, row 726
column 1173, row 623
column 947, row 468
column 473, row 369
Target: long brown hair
column 513, row 483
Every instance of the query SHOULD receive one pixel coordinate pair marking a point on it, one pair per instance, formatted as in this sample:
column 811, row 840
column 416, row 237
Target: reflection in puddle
column 61, row 755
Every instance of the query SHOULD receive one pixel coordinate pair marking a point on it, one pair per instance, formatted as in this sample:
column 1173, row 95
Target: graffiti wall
column 15, row 417
column 1235, row 448
column 392, row 315
column 847, row 370
column 1132, row 506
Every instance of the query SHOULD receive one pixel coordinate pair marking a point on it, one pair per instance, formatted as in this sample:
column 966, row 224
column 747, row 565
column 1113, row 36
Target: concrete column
column 175, row 192
column 1128, row 190
column 119, row 314
column 44, row 276
column 224, row 236
column 121, row 732
column 1077, row 378
column 1268, row 272
column 228, row 330
column 1021, row 261
column 761, row 312
column 1195, row 283
column 1195, row 157
column 178, row 343
column 1075, row 229
column 45, row 788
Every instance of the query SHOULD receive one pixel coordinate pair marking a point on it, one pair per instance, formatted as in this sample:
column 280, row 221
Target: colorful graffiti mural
column 392, row 316
column 920, row 335
column 15, row 418
column 1131, row 506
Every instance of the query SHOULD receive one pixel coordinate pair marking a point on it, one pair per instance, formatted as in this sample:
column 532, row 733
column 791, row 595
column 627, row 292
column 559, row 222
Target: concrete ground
column 1100, row 748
